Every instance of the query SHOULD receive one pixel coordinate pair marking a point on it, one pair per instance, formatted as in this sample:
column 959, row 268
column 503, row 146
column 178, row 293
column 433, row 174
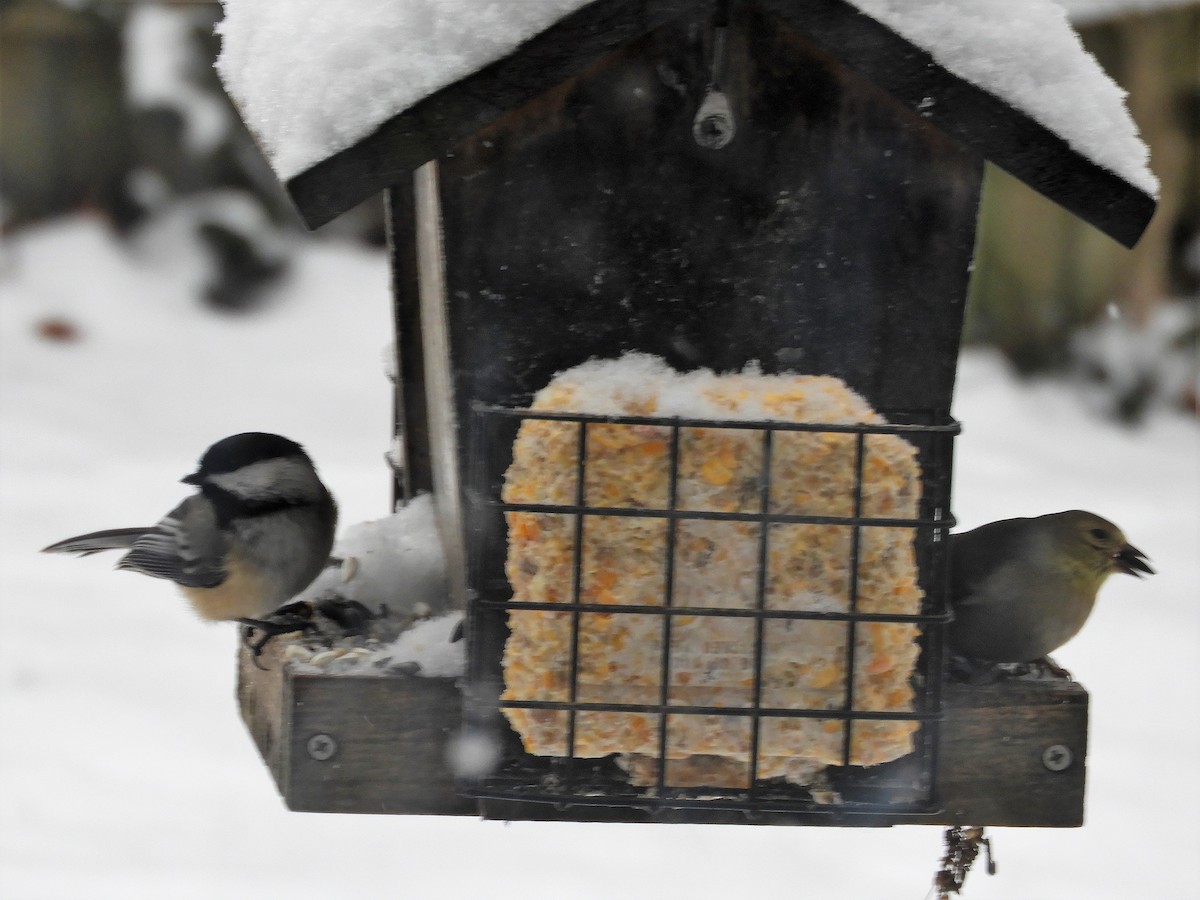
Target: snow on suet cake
column 716, row 566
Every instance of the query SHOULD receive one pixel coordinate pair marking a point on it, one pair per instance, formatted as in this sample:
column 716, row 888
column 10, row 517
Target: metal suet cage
column 905, row 788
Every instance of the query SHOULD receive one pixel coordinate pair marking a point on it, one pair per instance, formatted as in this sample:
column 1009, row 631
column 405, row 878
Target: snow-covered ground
column 125, row 771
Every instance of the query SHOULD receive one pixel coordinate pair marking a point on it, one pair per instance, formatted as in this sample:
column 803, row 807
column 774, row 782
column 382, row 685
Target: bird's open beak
column 1131, row 561
column 194, row 478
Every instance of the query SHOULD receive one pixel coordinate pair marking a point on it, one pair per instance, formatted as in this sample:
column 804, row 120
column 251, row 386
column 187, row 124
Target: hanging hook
column 714, row 126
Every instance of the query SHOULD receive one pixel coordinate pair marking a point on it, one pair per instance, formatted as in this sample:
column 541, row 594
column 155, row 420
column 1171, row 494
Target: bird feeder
column 769, row 186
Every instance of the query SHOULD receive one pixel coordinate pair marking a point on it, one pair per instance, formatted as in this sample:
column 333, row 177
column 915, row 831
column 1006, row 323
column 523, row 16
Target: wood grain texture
column 388, row 738
column 354, row 744
column 991, row 754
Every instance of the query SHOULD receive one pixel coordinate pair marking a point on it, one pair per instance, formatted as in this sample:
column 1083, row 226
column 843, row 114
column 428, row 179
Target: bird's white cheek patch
column 269, row 478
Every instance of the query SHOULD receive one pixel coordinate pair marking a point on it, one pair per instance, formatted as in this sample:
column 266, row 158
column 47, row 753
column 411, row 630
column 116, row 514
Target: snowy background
column 125, row 771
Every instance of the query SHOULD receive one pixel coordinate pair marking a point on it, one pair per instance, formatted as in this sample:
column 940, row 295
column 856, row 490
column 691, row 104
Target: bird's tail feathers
column 87, row 544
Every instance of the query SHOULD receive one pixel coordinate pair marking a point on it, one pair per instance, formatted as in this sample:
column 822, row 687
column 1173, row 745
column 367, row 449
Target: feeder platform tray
column 1011, row 753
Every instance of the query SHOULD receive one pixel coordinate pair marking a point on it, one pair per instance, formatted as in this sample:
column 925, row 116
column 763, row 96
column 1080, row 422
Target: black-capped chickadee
column 257, row 533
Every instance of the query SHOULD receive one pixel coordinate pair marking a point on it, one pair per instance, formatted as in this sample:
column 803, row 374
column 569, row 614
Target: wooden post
column 442, row 422
column 1011, row 753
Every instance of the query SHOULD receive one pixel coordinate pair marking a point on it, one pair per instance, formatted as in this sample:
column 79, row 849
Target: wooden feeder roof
column 1006, row 136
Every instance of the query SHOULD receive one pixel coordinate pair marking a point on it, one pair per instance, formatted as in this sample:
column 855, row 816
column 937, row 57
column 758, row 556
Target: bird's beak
column 1131, row 561
column 194, row 478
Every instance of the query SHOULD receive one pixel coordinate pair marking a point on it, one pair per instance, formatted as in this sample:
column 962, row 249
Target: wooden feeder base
column 1012, row 753
column 353, row 744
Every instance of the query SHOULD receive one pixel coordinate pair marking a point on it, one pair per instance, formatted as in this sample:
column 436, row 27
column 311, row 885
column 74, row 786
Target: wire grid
column 568, row 781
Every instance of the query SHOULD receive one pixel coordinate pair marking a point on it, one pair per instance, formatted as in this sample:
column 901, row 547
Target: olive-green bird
column 1021, row 588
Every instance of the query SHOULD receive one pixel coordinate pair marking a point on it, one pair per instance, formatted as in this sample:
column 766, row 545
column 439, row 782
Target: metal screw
column 1057, row 758
column 321, row 747
column 714, row 126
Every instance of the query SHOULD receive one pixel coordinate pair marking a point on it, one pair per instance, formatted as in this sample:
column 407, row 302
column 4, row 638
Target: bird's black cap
column 240, row 450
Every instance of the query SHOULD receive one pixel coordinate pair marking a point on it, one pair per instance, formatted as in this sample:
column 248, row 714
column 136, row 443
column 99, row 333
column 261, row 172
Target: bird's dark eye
column 1100, row 534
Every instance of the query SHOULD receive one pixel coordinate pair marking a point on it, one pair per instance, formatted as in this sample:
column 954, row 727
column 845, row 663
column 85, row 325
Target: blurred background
column 157, row 292
column 112, row 108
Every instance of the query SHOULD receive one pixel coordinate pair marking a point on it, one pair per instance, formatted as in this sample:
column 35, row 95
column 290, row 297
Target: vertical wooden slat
column 439, row 382
column 410, row 417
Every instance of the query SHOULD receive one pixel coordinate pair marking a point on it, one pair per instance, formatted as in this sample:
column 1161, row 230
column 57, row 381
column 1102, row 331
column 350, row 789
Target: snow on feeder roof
column 565, row 176
column 1010, row 78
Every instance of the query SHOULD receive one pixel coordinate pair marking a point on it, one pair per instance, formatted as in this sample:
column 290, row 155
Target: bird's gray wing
column 976, row 555
column 186, row 546
column 97, row 541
